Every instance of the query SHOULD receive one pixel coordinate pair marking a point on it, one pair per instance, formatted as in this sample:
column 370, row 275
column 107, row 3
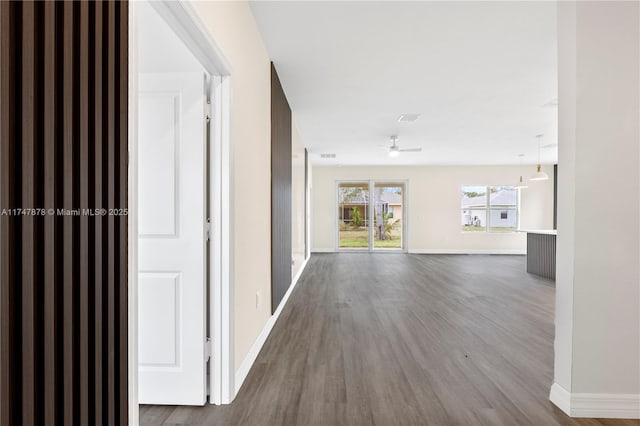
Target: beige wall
column 234, row 29
column 297, row 201
column 598, row 280
column 434, row 204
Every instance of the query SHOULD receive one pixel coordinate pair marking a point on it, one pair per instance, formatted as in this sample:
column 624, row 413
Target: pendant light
column 521, row 184
column 539, row 174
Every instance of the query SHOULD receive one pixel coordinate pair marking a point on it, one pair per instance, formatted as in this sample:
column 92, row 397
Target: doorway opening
column 180, row 341
column 371, row 215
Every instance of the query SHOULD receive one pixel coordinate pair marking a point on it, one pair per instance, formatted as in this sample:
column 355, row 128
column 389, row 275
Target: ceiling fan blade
column 411, row 150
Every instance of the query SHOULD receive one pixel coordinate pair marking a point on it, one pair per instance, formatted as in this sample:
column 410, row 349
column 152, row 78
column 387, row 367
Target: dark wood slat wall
column 280, row 192
column 306, row 202
column 63, row 278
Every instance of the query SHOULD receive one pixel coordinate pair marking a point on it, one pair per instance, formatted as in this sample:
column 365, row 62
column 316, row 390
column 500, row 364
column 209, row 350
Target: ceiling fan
column 394, row 149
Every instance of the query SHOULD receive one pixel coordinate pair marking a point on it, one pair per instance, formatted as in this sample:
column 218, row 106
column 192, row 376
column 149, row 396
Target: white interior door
column 172, row 239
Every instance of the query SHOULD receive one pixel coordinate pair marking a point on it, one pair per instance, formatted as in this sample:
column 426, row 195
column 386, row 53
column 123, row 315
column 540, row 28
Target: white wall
column 597, row 360
column 235, row 32
column 298, row 208
column 434, row 204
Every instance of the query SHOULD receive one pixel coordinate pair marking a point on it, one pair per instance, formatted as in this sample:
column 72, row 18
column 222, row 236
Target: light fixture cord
column 538, row 149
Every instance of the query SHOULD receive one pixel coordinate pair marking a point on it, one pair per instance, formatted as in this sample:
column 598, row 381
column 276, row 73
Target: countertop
column 539, row 231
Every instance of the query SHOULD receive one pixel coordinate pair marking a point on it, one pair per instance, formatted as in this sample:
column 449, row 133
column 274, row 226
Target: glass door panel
column 388, row 210
column 353, row 215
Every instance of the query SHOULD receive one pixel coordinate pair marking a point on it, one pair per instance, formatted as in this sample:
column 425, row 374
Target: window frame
column 371, row 184
column 488, row 209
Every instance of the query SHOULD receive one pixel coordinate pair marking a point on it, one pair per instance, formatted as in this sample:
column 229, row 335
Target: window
column 489, row 209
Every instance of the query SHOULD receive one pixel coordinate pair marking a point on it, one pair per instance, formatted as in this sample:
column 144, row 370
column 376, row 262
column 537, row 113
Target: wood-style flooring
column 398, row 339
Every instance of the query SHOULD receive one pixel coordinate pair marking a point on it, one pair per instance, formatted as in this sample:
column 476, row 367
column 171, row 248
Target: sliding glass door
column 388, row 215
column 371, row 215
column 353, row 215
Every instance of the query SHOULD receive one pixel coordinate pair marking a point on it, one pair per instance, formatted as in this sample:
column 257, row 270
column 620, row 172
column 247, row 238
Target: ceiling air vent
column 408, row 118
column 327, row 156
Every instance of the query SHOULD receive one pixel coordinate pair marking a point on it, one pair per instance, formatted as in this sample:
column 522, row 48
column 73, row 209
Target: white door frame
column 185, row 21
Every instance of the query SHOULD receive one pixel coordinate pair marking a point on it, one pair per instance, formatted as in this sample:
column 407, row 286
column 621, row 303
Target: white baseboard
column 561, row 398
column 441, row 251
column 465, row 251
column 596, row 405
column 247, row 363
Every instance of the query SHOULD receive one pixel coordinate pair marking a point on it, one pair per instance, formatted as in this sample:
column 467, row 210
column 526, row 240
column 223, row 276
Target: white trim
column 184, row 20
column 226, row 316
column 132, row 222
column 371, row 186
column 561, row 398
column 466, row 251
column 605, row 405
column 323, row 250
column 596, row 405
column 220, row 287
column 248, row 361
column 423, row 251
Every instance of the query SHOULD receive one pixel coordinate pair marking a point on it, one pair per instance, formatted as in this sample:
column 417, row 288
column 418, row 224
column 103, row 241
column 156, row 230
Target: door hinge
column 207, row 111
column 208, row 349
column 208, row 229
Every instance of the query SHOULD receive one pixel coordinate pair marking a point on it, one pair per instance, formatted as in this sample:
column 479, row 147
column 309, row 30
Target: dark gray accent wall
column 280, row 192
column 541, row 255
column 555, row 196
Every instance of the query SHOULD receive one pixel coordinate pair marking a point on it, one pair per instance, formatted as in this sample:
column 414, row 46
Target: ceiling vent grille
column 408, row 118
column 327, row 156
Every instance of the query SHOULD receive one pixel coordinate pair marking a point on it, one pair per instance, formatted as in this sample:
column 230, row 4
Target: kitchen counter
column 539, row 231
column 541, row 252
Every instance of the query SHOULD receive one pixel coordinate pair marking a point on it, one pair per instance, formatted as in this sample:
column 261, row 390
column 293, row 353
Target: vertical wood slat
column 306, row 202
column 111, row 165
column 50, row 175
column 84, row 220
column 28, row 190
column 63, row 145
column 67, row 221
column 123, row 161
column 9, row 413
column 97, row 201
column 280, row 192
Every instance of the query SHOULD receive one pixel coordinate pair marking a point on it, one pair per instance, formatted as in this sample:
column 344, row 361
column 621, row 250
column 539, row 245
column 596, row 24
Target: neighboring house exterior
column 388, row 201
column 394, row 205
column 502, row 210
column 359, row 202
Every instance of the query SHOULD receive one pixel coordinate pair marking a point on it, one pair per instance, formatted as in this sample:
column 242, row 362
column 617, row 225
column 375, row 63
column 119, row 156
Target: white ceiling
column 478, row 72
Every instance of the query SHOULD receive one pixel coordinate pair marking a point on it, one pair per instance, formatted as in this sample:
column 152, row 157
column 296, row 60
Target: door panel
column 159, row 149
column 172, row 239
column 353, row 215
column 388, row 215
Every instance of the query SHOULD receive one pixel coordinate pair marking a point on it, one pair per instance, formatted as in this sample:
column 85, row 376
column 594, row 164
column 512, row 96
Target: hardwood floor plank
column 397, row 339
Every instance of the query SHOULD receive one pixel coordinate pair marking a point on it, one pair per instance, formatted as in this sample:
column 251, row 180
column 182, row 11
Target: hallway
column 391, row 339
